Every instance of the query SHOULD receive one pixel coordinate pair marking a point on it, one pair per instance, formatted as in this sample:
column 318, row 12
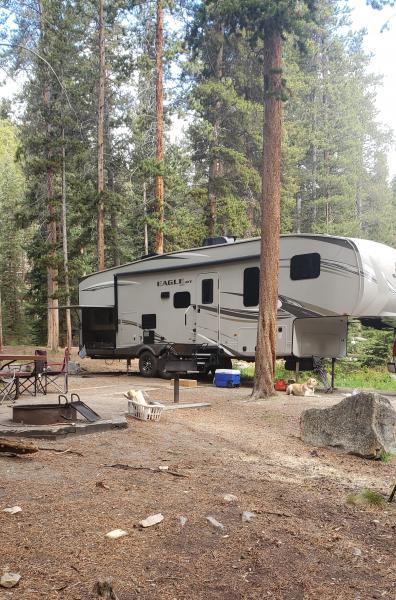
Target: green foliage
column 333, row 154
column 16, row 326
column 386, row 456
column 366, row 498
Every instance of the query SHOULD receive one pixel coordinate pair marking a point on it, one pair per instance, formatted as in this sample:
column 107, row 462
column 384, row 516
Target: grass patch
column 386, row 456
column 365, row 497
column 346, row 375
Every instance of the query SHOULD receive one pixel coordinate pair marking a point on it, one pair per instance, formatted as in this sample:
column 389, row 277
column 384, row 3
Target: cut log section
column 14, row 446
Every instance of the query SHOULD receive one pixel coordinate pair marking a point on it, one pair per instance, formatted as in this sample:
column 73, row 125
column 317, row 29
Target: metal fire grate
column 49, row 414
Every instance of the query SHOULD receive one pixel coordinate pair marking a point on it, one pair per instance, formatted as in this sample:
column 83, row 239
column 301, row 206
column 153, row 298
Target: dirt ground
column 304, row 542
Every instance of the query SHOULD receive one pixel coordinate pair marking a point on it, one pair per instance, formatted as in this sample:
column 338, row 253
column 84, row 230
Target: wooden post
column 333, row 360
column 176, row 388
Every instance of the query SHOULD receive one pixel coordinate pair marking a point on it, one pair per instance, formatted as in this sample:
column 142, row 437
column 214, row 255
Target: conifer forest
column 138, row 127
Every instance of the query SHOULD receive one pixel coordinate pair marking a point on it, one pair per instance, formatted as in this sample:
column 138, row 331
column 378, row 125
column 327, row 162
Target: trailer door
column 207, row 324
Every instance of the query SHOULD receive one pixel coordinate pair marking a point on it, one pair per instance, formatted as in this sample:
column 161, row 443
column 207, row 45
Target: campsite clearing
column 305, row 540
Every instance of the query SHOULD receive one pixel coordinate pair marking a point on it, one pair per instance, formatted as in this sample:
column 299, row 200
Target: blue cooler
column 227, row 378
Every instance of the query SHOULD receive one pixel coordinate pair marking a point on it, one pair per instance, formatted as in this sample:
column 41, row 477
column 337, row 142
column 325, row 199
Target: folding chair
column 7, row 386
column 35, row 380
column 58, row 370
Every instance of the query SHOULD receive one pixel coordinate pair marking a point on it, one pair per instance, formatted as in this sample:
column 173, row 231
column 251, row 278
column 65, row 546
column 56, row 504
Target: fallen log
column 14, row 446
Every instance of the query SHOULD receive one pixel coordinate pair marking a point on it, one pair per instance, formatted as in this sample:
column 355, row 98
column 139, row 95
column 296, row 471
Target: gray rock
column 215, row 523
column 9, row 580
column 363, row 424
column 247, row 516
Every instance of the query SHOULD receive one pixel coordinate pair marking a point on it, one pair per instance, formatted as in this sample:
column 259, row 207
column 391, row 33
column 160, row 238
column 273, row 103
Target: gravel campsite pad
column 302, row 541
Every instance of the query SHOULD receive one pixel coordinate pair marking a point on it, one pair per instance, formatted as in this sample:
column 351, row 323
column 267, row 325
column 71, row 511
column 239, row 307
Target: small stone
column 214, row 523
column 230, row 498
column 163, row 468
column 115, row 534
column 9, row 580
column 152, row 520
column 12, row 510
column 357, row 552
column 182, row 521
column 247, row 516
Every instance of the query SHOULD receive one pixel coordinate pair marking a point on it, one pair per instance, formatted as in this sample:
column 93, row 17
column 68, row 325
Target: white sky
column 383, row 48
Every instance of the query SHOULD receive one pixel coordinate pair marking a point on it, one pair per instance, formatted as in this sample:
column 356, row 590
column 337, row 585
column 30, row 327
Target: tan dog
column 303, row 389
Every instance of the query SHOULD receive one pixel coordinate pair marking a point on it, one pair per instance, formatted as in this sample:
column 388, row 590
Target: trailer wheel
column 225, row 362
column 148, row 364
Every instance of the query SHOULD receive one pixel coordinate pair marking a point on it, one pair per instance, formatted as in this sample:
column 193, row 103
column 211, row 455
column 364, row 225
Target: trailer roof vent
column 222, row 239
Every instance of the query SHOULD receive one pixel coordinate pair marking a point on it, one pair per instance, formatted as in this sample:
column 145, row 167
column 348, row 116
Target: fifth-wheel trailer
column 203, row 302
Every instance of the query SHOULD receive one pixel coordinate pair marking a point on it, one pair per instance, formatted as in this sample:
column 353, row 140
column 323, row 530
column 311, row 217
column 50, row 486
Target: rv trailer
column 203, row 302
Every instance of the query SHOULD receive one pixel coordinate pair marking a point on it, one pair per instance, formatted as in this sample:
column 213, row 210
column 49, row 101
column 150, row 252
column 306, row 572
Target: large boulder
column 363, row 424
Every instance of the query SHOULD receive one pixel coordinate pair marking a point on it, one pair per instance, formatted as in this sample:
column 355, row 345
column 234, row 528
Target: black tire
column 225, row 363
column 148, row 365
column 164, row 374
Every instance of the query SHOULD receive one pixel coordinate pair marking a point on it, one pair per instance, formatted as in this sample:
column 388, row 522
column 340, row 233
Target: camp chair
column 7, row 386
column 58, row 370
column 33, row 381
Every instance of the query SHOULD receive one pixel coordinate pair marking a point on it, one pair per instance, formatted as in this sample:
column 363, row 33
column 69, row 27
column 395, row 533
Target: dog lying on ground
column 303, row 389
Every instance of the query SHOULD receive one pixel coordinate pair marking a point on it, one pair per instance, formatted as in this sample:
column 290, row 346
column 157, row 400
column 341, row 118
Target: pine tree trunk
column 159, row 179
column 1, row 324
column 270, row 218
column 100, row 141
column 52, row 236
column 146, row 246
column 215, row 165
column 111, row 187
column 65, row 247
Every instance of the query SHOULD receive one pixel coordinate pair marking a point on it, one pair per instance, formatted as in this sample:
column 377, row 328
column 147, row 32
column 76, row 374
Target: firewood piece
column 17, row 446
column 104, row 589
column 153, row 469
column 61, row 450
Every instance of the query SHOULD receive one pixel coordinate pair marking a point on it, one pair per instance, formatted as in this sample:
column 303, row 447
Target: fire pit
column 43, row 414
column 49, row 414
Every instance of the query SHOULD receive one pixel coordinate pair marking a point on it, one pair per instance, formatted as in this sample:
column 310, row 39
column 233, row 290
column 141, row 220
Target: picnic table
column 22, row 373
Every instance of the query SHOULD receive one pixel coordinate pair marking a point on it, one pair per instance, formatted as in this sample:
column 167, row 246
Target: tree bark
column 65, row 247
column 146, row 246
column 52, row 236
column 215, row 165
column 270, row 217
column 1, row 324
column 111, row 188
column 100, row 141
column 159, row 88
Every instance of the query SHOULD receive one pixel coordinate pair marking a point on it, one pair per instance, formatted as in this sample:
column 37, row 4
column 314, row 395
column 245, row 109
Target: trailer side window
column 181, row 299
column 149, row 321
column 207, row 291
column 251, row 286
column 305, row 266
